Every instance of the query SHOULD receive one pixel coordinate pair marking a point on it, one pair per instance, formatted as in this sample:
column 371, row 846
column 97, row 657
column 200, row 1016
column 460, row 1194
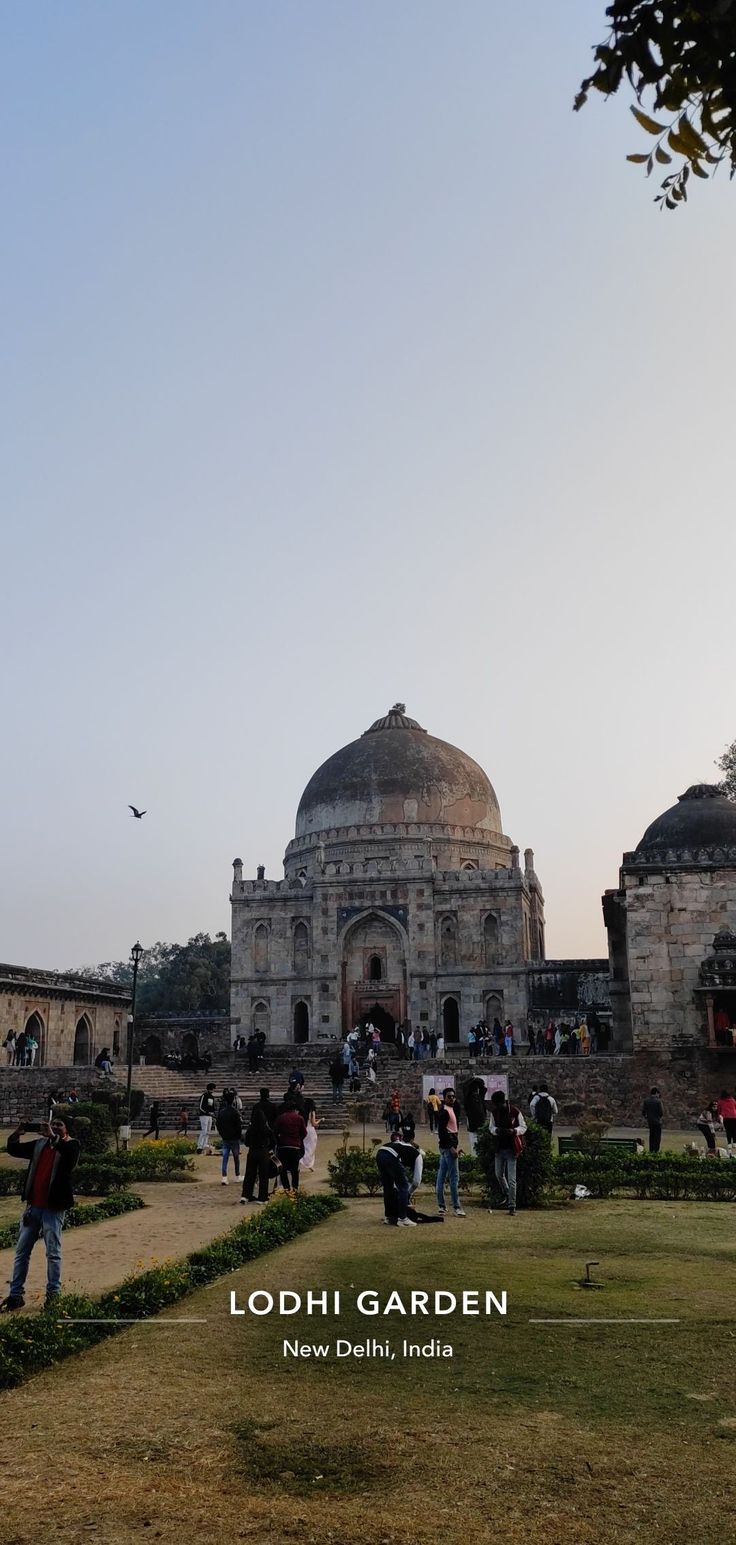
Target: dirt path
column 177, row 1218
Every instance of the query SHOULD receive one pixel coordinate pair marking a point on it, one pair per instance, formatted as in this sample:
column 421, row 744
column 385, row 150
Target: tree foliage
column 680, row 61
column 176, row 978
column 727, row 764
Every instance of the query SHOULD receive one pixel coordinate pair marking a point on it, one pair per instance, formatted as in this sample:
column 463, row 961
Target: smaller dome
column 704, row 817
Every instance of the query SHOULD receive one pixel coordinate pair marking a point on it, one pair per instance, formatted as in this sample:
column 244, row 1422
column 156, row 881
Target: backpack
column 543, row 1111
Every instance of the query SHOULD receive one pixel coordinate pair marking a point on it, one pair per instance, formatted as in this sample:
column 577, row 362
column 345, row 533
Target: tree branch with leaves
column 680, row 60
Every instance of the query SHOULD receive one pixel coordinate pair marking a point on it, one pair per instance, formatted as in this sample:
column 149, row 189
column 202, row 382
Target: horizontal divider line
column 591, row 1321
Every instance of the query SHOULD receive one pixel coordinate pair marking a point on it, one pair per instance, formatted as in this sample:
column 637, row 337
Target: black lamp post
column 135, row 955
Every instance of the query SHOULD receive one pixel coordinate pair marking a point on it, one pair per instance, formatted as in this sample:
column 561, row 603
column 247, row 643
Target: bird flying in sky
column 139, row 814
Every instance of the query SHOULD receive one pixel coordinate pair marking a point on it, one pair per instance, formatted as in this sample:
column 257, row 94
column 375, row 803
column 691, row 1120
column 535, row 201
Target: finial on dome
column 395, row 719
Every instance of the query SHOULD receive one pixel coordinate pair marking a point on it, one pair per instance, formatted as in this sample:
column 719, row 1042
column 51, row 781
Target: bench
column 605, row 1145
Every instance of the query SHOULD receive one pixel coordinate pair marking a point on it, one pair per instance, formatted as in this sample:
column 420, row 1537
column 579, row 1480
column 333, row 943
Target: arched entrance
column 151, row 1049
column 373, row 950
column 383, row 1021
column 189, row 1045
column 451, row 1020
column 301, row 1023
column 82, row 1042
column 35, row 1026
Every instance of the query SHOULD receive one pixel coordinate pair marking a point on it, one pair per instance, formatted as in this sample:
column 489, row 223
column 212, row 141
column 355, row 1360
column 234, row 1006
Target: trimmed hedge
column 29, row 1344
column 98, row 1176
column 76, row 1217
column 663, row 1177
column 353, row 1172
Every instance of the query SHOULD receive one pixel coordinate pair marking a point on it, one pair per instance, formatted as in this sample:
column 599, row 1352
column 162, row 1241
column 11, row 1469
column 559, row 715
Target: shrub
column 352, row 1171
column 533, row 1171
column 90, row 1122
column 117, row 1102
column 648, row 1176
column 591, row 1130
column 157, row 1161
column 30, row 1343
column 98, row 1177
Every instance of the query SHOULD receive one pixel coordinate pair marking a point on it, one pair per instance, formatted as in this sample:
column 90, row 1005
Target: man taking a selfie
column 47, row 1193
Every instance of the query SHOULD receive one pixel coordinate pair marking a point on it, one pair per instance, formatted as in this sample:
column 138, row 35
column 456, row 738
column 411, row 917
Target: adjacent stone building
column 671, row 984
column 71, row 1017
column 402, row 899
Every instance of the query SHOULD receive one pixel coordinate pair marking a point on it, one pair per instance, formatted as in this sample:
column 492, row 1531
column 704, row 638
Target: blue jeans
column 227, row 1150
column 505, row 1167
column 35, row 1223
column 448, row 1170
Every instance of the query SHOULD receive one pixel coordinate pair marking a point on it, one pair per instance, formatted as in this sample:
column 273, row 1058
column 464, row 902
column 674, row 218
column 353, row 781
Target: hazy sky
column 343, row 364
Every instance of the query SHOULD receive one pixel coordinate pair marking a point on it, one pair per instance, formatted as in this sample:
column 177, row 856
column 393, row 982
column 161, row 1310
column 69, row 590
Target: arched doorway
column 151, row 1049
column 494, row 1008
column 189, row 1045
column 261, row 1017
column 35, row 1026
column 82, row 1042
column 373, row 950
column 451, row 1020
column 383, row 1021
column 301, row 1023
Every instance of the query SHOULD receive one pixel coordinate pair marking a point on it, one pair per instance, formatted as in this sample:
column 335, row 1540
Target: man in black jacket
column 47, row 1193
column 653, row 1114
column 267, row 1105
column 230, row 1128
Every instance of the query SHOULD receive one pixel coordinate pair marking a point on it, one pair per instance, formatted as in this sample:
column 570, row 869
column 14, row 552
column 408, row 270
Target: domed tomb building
column 402, row 899
column 669, row 926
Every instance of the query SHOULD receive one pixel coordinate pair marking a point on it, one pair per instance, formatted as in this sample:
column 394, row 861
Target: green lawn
column 581, row 1434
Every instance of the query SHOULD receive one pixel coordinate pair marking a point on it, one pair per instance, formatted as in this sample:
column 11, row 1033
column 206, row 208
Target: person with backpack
column 291, row 1129
column 259, row 1141
column 230, row 1128
column 543, row 1109
column 508, row 1127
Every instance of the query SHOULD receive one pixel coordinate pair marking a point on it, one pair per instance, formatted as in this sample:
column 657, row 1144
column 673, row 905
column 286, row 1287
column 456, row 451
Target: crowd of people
column 279, row 1137
column 21, row 1049
column 715, row 1117
column 399, row 1159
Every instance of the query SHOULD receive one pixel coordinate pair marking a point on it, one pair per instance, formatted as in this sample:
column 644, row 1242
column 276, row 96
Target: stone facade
column 402, row 900
column 676, row 889
column 71, row 1017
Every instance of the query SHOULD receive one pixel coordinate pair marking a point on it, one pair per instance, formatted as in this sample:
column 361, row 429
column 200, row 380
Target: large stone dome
column 702, row 818
column 397, row 773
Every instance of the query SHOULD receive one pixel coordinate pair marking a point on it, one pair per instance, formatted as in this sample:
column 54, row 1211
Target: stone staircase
column 178, row 1091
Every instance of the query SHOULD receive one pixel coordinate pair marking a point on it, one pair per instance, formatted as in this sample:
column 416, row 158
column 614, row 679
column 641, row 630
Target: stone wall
column 27, row 1091
column 616, row 1083
column 671, row 917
